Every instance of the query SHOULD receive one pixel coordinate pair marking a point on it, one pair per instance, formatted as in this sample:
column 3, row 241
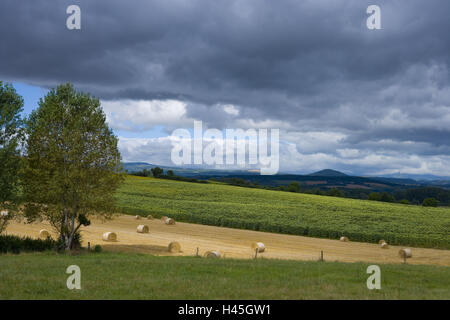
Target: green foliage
column 335, row 192
column 15, row 244
column 11, row 105
column 157, row 172
column 170, row 175
column 386, row 197
column 430, row 202
column 418, row 195
column 374, row 196
column 97, row 248
column 143, row 173
column 286, row 212
column 72, row 165
column 404, row 201
column 294, row 187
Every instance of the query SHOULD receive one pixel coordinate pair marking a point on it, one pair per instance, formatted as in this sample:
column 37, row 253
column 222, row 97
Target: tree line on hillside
column 426, row 196
column 158, row 172
column 61, row 163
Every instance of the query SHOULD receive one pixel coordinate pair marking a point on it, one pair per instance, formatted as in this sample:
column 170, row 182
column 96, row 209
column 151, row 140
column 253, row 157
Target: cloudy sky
column 371, row 102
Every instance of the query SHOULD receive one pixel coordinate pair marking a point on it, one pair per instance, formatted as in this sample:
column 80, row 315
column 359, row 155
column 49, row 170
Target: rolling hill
column 284, row 212
column 327, row 173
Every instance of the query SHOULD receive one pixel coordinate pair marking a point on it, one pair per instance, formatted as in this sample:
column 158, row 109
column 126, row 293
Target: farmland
column 231, row 243
column 289, row 213
column 140, row 276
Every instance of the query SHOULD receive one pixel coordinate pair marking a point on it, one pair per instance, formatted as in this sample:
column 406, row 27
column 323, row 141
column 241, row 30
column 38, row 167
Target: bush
column 374, row 196
column 430, row 202
column 335, row 192
column 15, row 244
column 98, row 248
column 386, row 197
column 294, row 187
column 76, row 242
column 157, row 172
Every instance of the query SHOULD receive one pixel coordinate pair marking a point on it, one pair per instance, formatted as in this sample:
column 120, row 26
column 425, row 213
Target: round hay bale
column 150, row 217
column 212, row 254
column 169, row 221
column 142, row 228
column 384, row 245
column 258, row 245
column 405, row 253
column 163, row 218
column 44, row 234
column 138, row 217
column 344, row 239
column 174, row 247
column 109, row 236
column 381, row 242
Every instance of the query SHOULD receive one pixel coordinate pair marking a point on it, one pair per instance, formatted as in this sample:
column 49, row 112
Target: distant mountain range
column 186, row 172
column 327, row 178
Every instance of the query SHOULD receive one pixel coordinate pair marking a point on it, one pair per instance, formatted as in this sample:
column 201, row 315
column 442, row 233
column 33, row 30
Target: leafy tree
column 418, row 195
column 157, row 172
column 430, row 202
column 374, row 196
column 11, row 105
column 143, row 173
column 72, row 164
column 294, row 187
column 170, row 173
column 386, row 197
column 335, row 192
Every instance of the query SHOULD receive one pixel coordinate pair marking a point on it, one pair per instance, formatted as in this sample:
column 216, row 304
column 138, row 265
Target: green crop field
column 284, row 212
column 139, row 276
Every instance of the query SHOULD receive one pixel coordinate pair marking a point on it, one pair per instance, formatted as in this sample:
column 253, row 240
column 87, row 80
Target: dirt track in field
column 233, row 243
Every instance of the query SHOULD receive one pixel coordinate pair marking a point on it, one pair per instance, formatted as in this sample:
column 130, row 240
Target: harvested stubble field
column 233, row 243
column 285, row 212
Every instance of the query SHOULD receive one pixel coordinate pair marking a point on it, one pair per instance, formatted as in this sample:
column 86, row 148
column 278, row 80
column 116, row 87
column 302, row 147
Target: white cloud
column 138, row 115
column 230, row 109
column 310, row 152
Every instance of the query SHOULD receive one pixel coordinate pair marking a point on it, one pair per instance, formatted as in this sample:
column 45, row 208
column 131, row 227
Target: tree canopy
column 72, row 163
column 11, row 105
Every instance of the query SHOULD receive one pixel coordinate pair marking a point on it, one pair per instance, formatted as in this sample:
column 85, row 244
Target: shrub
column 430, row 202
column 374, row 196
column 98, row 248
column 386, row 197
column 335, row 192
column 15, row 244
column 294, row 187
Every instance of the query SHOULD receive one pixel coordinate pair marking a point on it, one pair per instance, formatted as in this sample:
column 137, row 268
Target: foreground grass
column 134, row 276
column 285, row 212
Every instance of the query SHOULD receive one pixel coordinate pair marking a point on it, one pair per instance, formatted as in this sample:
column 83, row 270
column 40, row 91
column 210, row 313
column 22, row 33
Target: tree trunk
column 65, row 230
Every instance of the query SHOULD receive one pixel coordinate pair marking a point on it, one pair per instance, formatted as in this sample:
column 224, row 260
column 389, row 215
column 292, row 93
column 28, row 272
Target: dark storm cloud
column 313, row 65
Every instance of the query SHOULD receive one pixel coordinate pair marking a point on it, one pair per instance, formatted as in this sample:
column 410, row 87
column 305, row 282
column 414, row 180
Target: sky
column 365, row 102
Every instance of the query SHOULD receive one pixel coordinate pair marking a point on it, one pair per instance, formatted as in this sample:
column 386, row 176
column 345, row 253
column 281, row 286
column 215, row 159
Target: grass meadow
column 138, row 276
